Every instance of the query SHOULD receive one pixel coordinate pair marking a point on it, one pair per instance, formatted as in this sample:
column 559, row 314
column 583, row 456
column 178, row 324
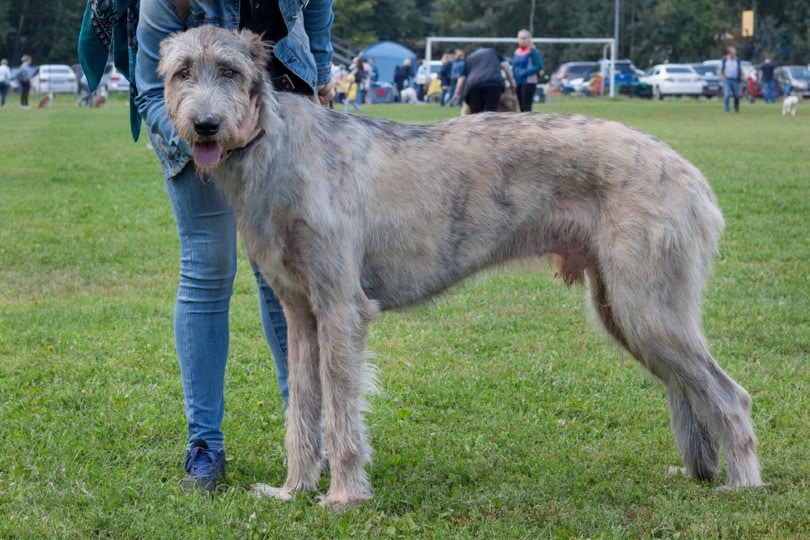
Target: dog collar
column 248, row 145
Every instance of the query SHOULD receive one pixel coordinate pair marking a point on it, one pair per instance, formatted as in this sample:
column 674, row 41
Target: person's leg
column 275, row 331
column 25, row 87
column 475, row 99
column 736, row 96
column 207, row 269
column 770, row 92
column 525, row 95
column 726, row 94
column 492, row 98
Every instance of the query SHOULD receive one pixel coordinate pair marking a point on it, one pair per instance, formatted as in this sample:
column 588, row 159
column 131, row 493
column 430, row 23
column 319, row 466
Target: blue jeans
column 731, row 87
column 207, row 270
column 768, row 92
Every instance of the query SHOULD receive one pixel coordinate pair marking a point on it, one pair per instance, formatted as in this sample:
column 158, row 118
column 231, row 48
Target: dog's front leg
column 303, row 440
column 346, row 377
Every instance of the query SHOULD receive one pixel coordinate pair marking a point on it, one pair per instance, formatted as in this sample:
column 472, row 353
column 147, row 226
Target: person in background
column 457, row 68
column 361, row 79
column 481, row 84
column 422, row 80
column 402, row 78
column 351, row 94
column 527, row 67
column 5, row 81
column 24, row 77
column 766, row 77
column 445, row 79
column 731, row 73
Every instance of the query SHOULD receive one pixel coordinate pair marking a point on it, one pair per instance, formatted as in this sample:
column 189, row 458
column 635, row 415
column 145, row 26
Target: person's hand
column 249, row 128
column 325, row 94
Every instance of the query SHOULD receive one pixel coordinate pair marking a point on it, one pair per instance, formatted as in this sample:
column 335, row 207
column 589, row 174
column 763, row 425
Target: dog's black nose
column 207, row 126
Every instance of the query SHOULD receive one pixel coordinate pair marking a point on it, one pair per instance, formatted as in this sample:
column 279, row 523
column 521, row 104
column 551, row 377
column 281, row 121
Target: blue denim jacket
column 306, row 51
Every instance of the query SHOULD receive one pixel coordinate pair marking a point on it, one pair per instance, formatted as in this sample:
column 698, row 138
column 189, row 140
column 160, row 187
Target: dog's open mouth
column 206, row 152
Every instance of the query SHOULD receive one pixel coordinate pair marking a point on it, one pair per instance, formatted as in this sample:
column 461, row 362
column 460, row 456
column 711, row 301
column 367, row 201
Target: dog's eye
column 185, row 73
column 227, row 73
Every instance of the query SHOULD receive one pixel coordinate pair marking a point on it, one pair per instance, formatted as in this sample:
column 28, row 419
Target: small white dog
column 789, row 105
column 409, row 95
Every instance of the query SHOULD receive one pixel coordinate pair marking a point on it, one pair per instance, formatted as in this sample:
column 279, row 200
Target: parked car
column 113, row 80
column 626, row 73
column 712, row 85
column 57, row 78
column 792, row 79
column 673, row 80
column 569, row 75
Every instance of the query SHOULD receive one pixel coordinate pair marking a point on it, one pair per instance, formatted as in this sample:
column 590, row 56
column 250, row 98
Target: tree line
column 651, row 31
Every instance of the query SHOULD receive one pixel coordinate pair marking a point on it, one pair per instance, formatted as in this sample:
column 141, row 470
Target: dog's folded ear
column 260, row 50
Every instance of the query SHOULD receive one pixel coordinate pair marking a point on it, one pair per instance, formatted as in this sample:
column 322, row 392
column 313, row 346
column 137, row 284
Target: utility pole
column 531, row 19
column 614, row 50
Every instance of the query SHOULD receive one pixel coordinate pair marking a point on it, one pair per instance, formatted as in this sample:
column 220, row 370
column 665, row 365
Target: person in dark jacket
column 482, row 82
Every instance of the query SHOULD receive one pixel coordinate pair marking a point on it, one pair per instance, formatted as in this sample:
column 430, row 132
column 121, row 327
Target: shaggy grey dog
column 347, row 215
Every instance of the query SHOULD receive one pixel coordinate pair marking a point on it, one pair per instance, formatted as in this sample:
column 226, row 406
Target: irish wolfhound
column 347, row 215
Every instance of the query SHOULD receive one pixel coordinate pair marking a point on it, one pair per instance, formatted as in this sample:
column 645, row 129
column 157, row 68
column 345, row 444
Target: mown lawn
column 501, row 414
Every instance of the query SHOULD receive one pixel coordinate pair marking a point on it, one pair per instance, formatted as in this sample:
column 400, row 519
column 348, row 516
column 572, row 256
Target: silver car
column 57, row 78
column 113, row 80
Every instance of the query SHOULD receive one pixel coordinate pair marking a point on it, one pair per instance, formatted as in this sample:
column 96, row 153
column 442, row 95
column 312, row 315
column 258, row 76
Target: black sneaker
column 204, row 467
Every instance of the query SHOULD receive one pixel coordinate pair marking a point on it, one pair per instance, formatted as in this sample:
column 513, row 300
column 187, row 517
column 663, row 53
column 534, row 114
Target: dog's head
column 212, row 79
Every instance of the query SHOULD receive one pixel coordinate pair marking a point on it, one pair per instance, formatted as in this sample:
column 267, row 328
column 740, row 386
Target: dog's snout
column 207, row 125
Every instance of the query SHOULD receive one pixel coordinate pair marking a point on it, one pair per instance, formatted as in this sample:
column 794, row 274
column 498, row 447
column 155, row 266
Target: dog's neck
column 250, row 143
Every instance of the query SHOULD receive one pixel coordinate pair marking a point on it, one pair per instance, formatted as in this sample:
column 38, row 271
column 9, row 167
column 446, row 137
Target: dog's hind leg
column 696, row 443
column 658, row 321
column 346, row 377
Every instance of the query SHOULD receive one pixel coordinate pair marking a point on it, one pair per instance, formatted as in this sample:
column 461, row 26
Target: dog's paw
column 341, row 504
column 265, row 490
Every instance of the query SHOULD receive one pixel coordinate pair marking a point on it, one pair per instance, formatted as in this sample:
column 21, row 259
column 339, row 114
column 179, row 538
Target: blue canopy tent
column 387, row 55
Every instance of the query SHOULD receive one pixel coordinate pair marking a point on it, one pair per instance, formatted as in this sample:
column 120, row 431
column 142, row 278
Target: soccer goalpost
column 606, row 42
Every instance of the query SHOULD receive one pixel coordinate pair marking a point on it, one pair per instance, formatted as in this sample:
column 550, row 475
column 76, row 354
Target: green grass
column 501, row 414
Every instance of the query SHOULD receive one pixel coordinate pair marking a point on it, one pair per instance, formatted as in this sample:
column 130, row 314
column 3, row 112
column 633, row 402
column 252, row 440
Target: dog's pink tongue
column 206, row 153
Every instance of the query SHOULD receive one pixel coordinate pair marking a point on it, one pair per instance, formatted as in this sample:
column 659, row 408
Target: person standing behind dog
column 481, row 84
column 527, row 66
column 5, row 81
column 731, row 72
column 301, row 63
column 24, row 78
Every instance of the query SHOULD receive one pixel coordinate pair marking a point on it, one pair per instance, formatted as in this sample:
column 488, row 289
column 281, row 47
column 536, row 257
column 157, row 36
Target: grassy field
column 501, row 414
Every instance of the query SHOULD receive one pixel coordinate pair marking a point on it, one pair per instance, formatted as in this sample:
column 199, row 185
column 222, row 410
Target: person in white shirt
column 5, row 81
column 731, row 72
